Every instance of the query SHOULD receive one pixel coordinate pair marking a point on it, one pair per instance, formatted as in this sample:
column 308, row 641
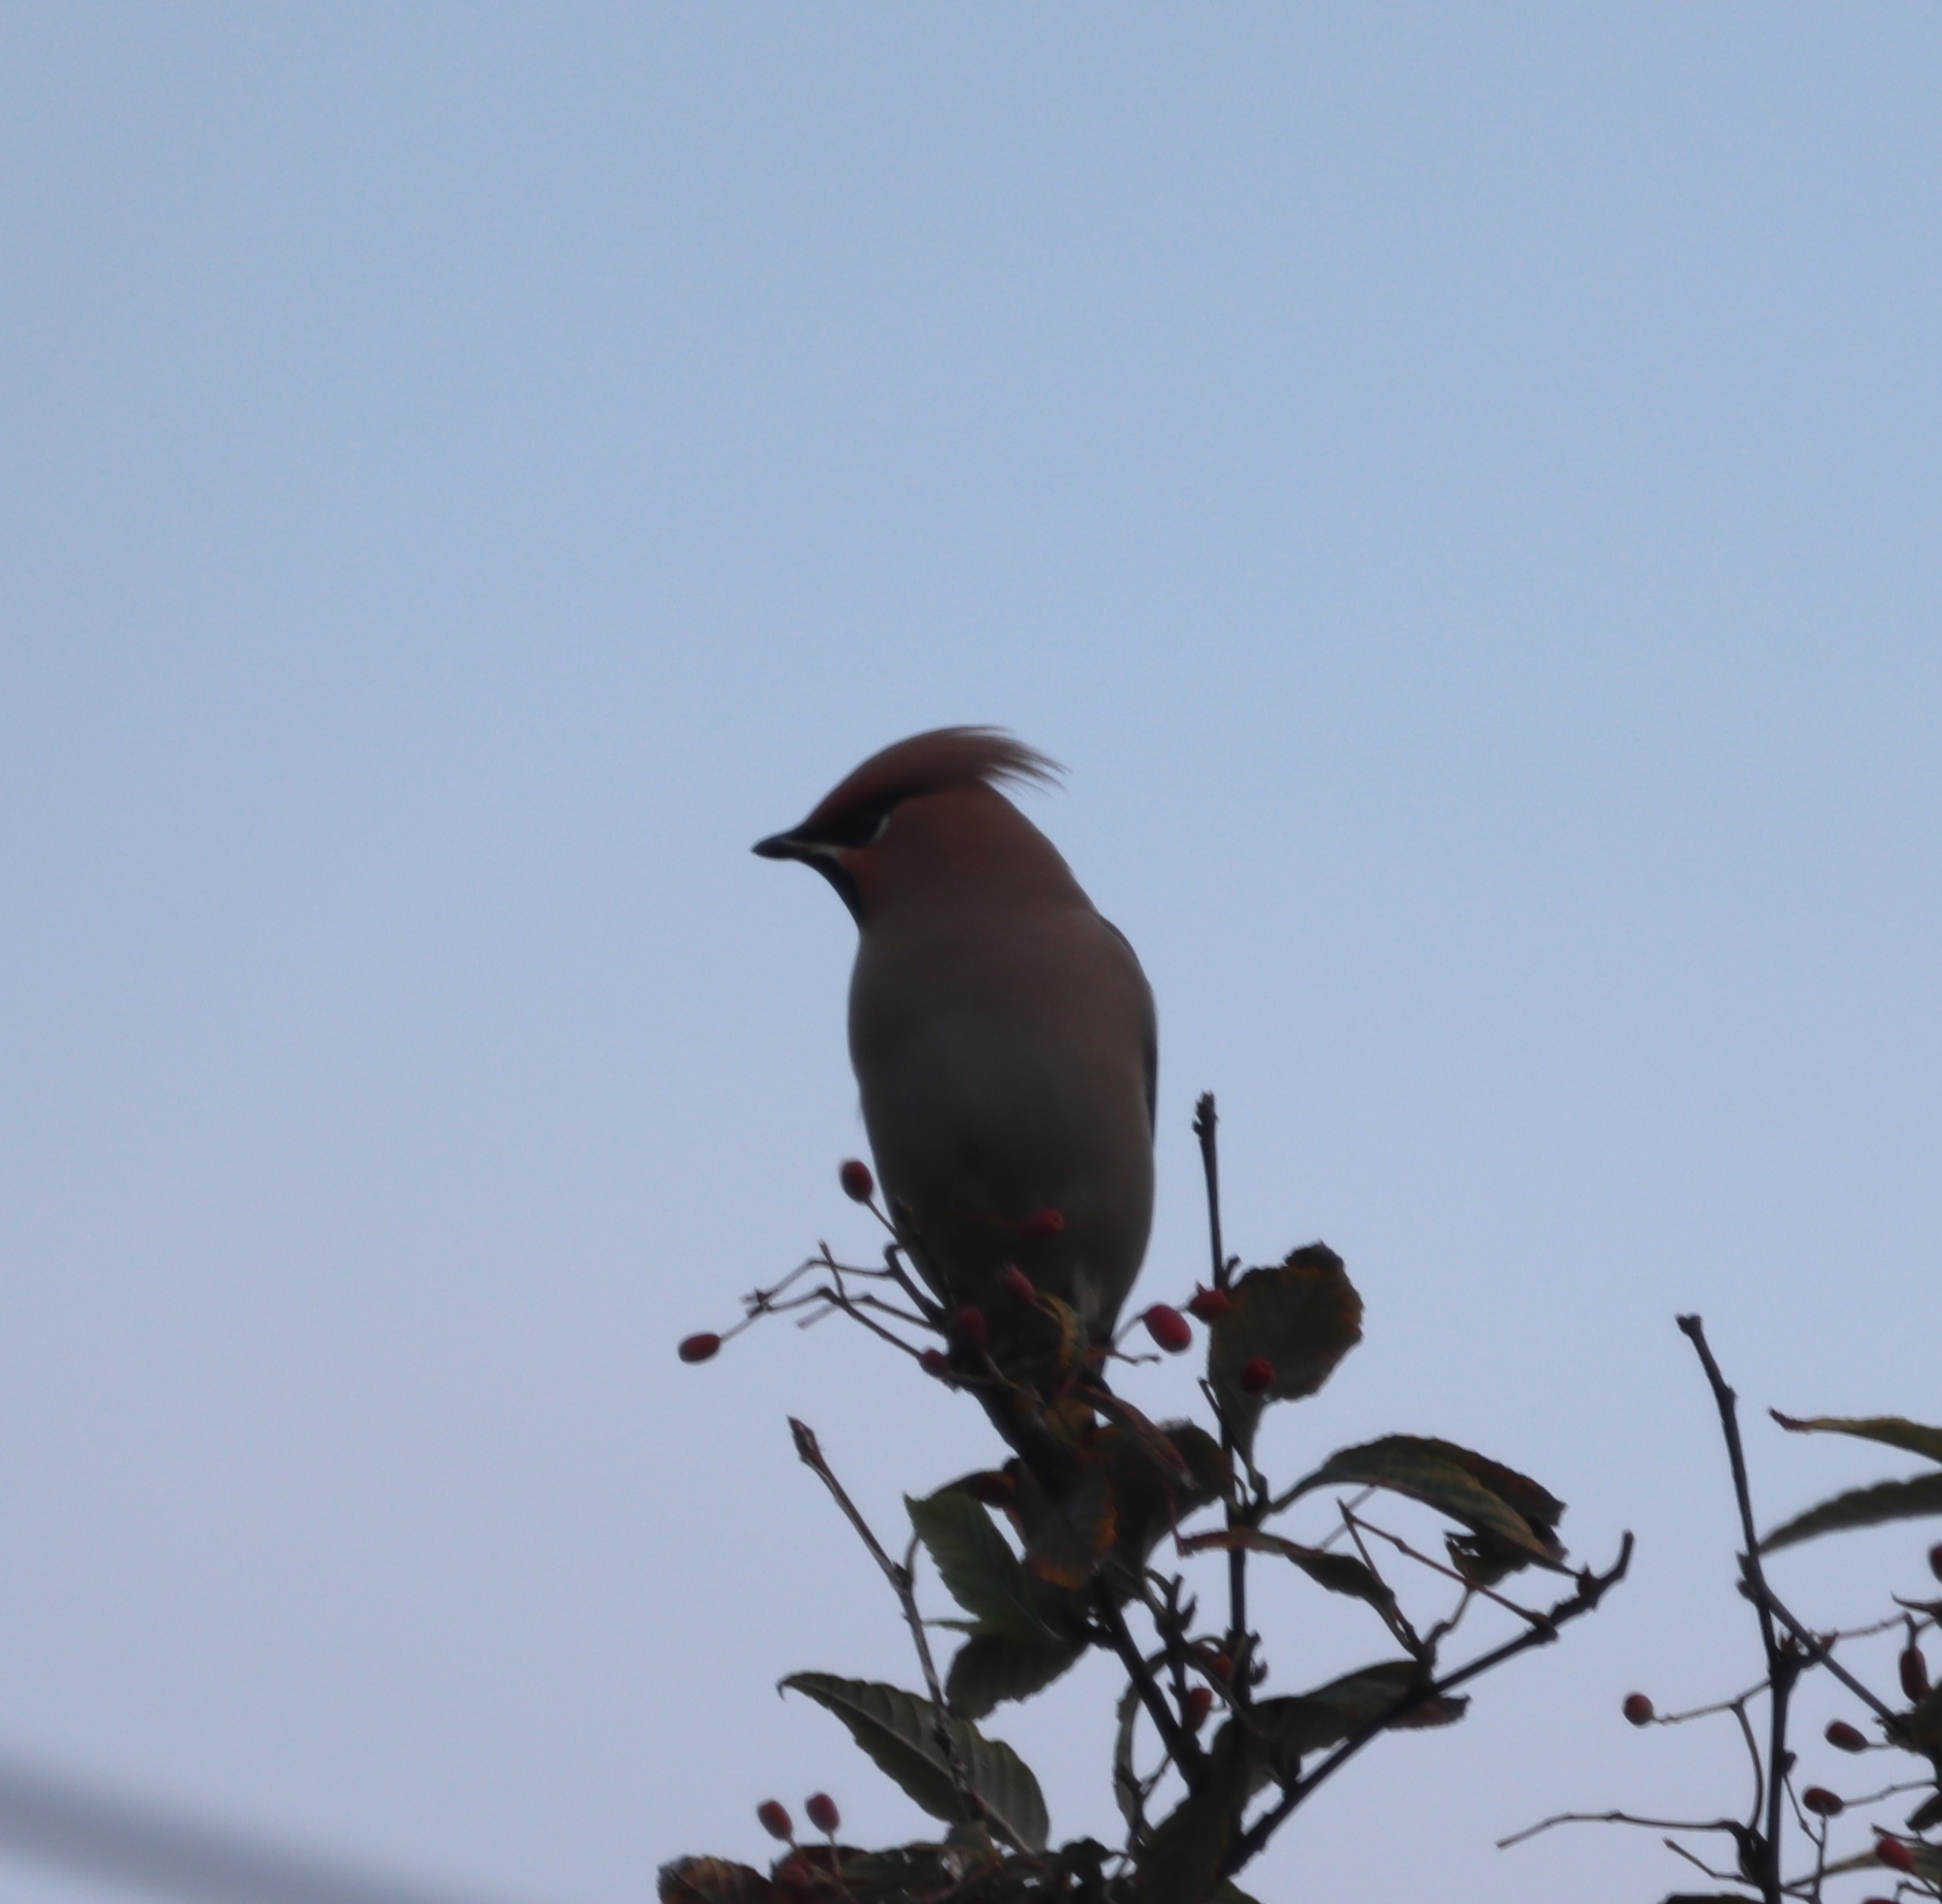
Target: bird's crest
column 929, row 763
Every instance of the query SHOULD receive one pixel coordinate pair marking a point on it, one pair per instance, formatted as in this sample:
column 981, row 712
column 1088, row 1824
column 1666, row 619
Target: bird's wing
column 1149, row 1030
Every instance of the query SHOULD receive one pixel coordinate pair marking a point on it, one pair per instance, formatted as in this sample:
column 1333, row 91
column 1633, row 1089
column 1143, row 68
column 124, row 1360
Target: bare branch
column 1206, row 1121
column 1728, row 1825
column 1591, row 1589
column 810, row 1454
column 1783, row 1662
column 1181, row 1745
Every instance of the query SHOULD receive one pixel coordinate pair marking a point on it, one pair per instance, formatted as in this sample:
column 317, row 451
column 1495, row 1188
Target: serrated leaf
column 992, row 1667
column 711, row 1880
column 1440, row 1475
column 1890, row 1430
column 898, row 1730
column 1067, row 1545
column 976, row 1565
column 1340, row 1573
column 1862, row 1507
column 1301, row 1317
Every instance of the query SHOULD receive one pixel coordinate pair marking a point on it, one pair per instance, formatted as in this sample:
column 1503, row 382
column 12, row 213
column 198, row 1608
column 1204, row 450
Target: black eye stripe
column 857, row 826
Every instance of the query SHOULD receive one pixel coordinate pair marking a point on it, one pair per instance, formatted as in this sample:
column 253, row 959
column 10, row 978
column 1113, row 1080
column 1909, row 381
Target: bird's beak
column 782, row 845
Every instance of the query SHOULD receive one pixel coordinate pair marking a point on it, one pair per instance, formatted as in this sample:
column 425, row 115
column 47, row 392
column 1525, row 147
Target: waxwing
column 1002, row 1031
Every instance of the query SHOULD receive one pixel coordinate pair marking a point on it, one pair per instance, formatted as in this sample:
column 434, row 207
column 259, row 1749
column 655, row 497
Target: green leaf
column 1862, row 1507
column 1230, row 1893
column 1302, row 1317
column 1928, row 1812
column 1340, row 1573
column 991, row 1667
column 1451, row 1480
column 711, row 1880
column 898, row 1730
column 1890, row 1430
column 976, row 1565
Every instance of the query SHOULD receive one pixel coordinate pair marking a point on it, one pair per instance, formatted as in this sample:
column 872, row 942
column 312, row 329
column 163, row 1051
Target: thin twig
column 1759, row 1765
column 1181, row 1745
column 1731, row 1826
column 811, row 1456
column 1762, row 1594
column 1591, row 1588
column 1397, row 1621
column 1699, row 1863
column 1206, row 1121
column 1403, row 1547
column 1784, row 1663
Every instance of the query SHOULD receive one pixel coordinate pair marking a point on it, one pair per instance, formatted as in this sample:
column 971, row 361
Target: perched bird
column 1002, row 1031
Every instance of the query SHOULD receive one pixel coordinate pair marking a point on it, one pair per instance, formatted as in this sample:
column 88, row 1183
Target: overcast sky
column 1459, row 488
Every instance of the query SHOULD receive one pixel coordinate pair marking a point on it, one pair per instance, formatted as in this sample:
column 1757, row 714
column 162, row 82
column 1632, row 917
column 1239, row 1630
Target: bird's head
column 927, row 807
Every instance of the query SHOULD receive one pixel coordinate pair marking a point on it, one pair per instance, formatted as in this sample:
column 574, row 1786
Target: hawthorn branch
column 1206, row 1122
column 1731, row 1827
column 1181, row 1745
column 1784, row 1660
column 1591, row 1589
column 810, row 1454
column 1820, row 1654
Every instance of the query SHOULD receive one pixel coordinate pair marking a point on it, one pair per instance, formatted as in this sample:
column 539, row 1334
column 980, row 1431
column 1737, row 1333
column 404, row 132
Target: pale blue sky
column 1459, row 487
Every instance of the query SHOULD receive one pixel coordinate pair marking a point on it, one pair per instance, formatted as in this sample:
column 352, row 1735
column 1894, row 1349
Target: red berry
column 1199, row 1703
column 1016, row 1284
column 1846, row 1738
column 822, row 1812
column 1220, row 1669
column 858, row 1184
column 1638, row 1709
column 1914, row 1672
column 1257, row 1376
column 970, row 1330
column 1935, row 1560
column 1167, row 1327
column 935, row 1362
column 1207, row 1304
column 1894, row 1853
column 698, row 1348
column 1042, row 1223
column 1822, row 1803
column 774, row 1820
